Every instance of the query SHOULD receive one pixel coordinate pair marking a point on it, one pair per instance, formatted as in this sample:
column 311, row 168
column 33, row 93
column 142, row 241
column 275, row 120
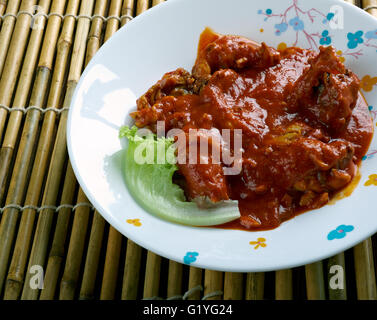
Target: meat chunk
column 233, row 52
column 327, row 90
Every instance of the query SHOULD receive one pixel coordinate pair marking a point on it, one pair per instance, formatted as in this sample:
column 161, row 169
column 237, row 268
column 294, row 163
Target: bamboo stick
column 92, row 258
column 142, row 5
column 3, row 5
column 152, row 276
column 174, row 279
column 233, row 286
column 110, row 273
column 94, row 40
column 283, row 285
column 15, row 55
column 133, row 251
column 87, row 290
column 57, row 252
column 364, row 271
column 17, row 188
column 195, row 280
column 131, row 271
column 29, row 134
column 31, row 123
column 114, row 242
column 127, row 10
column 113, row 24
column 254, row 286
column 156, row 2
column 213, row 284
column 75, row 251
column 7, row 28
column 368, row 3
column 315, row 285
column 339, row 262
column 59, row 154
column 76, row 244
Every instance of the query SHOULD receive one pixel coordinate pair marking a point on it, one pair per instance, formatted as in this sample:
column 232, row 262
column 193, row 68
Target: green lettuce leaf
column 151, row 183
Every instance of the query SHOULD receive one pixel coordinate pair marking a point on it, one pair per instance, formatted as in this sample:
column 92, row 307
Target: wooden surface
column 46, row 219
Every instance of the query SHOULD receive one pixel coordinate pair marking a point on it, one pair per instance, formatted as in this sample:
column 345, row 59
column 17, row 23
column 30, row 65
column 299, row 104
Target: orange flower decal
column 259, row 243
column 135, row 222
column 367, row 83
column 372, row 180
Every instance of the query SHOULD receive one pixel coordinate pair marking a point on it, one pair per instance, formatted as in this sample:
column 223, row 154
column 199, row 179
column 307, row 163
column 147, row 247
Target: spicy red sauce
column 305, row 125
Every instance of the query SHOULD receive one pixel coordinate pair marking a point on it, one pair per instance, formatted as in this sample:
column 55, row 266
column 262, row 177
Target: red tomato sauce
column 305, row 125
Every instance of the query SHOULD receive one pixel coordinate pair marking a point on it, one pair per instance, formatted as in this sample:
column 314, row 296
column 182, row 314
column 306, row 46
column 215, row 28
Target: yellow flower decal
column 135, row 222
column 282, row 46
column 259, row 243
column 372, row 180
column 339, row 53
column 367, row 83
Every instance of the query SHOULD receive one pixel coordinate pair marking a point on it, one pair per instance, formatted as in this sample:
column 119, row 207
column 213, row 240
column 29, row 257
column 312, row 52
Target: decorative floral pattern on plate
column 340, row 232
column 367, row 82
column 295, row 18
column 190, row 257
column 135, row 222
column 261, row 242
column 372, row 180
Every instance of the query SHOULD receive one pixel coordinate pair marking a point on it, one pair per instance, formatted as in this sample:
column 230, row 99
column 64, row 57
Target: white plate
column 165, row 38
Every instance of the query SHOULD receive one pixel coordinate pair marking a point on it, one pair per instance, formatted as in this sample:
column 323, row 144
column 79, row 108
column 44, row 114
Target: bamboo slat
column 283, row 285
column 115, row 238
column 47, row 132
column 57, row 252
column 131, row 271
column 23, row 160
column 110, row 274
column 233, row 286
column 315, row 285
column 195, row 281
column 75, row 252
column 254, row 286
column 59, row 154
column 174, row 280
column 365, row 271
column 213, row 285
column 7, row 27
column 92, row 258
column 15, row 55
column 152, row 276
column 133, row 253
column 370, row 3
column 96, row 237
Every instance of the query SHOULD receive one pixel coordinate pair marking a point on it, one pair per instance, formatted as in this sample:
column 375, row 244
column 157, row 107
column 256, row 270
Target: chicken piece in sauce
column 305, row 125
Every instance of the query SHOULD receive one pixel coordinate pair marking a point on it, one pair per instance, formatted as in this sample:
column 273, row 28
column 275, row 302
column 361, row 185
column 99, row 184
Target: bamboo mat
column 46, row 218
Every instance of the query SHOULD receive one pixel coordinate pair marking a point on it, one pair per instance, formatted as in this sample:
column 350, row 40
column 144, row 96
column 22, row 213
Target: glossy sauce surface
column 305, row 126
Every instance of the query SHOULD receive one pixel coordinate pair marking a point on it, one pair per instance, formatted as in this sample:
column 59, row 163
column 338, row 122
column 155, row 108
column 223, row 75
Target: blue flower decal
column 297, row 24
column 340, row 232
column 280, row 28
column 354, row 39
column 326, row 39
column 329, row 16
column 371, row 34
column 190, row 257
